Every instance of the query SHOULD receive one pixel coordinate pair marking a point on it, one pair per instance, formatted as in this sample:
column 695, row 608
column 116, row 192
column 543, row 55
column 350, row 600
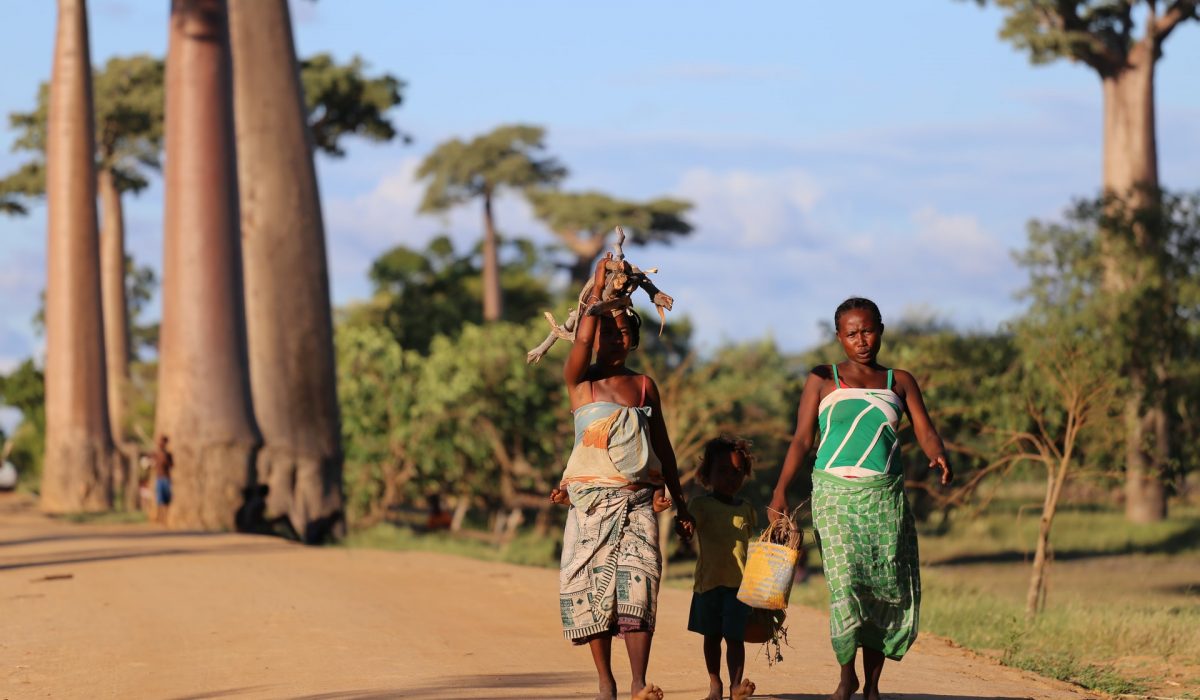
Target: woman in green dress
column 868, row 538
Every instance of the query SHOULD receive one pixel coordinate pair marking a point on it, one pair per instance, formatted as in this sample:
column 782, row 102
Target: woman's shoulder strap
column 889, row 380
column 645, row 382
column 837, row 383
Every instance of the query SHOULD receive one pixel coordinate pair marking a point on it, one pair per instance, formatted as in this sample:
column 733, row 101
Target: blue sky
column 894, row 151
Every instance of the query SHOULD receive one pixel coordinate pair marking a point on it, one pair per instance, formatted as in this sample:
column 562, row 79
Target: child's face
column 729, row 473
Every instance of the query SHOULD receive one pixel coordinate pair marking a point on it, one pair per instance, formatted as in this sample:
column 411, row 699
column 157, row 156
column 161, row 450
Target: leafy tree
column 1155, row 314
column 1066, row 380
column 342, row 100
column 377, row 391
column 25, row 390
column 422, row 294
column 1104, row 35
column 458, row 172
column 583, row 220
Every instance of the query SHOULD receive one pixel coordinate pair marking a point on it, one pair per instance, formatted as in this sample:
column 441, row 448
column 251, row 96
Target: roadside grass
column 111, row 517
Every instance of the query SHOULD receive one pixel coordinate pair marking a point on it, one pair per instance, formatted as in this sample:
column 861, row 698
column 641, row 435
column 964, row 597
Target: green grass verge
column 112, row 517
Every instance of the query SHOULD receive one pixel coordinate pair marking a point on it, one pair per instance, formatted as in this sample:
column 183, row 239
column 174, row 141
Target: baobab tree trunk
column 203, row 383
column 493, row 303
column 77, row 476
column 1131, row 170
column 116, row 329
column 289, row 321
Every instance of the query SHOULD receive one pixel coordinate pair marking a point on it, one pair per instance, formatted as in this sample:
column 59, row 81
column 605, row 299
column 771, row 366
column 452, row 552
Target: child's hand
column 661, row 502
column 685, row 526
column 560, row 497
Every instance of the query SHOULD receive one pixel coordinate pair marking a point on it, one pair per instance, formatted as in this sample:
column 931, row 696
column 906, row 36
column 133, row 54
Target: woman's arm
column 580, row 356
column 660, row 442
column 802, row 441
column 927, row 436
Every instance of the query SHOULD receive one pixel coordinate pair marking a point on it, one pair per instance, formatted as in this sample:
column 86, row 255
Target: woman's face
column 860, row 335
column 614, row 340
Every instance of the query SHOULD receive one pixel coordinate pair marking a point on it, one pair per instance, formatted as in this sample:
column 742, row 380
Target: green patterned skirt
column 869, row 553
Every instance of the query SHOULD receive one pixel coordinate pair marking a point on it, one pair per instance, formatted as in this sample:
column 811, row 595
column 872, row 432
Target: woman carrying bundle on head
column 609, row 577
column 868, row 537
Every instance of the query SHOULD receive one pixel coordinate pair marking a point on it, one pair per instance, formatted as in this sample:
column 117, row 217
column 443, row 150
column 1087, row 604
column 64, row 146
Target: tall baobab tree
column 461, row 171
column 288, row 317
column 128, row 105
column 203, row 387
column 77, row 474
column 1102, row 34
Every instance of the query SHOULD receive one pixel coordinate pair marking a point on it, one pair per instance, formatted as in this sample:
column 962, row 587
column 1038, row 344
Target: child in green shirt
column 723, row 524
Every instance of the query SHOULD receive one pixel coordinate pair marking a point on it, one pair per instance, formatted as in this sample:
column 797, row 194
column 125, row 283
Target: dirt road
column 132, row 611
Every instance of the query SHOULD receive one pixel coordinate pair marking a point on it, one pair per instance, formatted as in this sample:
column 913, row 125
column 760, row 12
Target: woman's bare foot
column 743, row 690
column 716, row 690
column 871, row 694
column 846, row 688
column 650, row 692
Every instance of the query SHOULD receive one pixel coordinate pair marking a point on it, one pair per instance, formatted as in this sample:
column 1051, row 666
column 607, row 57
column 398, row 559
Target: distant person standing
column 163, row 463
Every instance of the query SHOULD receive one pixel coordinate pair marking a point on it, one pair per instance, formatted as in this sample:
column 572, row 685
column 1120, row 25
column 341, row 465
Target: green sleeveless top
column 858, row 430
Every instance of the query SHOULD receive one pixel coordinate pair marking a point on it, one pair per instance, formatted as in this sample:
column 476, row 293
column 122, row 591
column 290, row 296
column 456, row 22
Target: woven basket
column 767, row 580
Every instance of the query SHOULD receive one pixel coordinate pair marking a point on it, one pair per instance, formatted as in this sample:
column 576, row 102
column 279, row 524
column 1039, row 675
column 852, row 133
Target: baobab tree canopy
column 459, row 171
column 1099, row 33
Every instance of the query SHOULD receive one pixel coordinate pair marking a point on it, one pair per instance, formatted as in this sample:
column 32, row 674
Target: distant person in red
column 438, row 518
column 163, row 463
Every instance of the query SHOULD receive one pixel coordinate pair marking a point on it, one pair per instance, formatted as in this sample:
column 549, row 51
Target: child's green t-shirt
column 722, row 532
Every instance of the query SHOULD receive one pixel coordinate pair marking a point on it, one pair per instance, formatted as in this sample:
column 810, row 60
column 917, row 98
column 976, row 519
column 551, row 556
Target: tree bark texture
column 77, row 475
column 116, row 333
column 204, row 392
column 493, row 301
column 1131, row 169
column 289, row 320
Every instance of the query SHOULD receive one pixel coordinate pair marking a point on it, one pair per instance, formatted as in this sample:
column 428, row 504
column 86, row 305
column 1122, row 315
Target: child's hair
column 724, row 445
column 856, row 303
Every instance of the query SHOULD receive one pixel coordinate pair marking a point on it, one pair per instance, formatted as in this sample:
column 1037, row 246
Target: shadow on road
column 89, row 556
column 139, row 535
column 899, row 696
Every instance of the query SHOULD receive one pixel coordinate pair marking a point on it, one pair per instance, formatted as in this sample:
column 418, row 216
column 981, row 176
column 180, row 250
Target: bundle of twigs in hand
column 784, row 530
column 621, row 280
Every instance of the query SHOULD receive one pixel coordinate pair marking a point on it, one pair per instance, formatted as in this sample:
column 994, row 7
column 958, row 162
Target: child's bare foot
column 650, row 692
column 846, row 688
column 716, row 690
column 743, row 690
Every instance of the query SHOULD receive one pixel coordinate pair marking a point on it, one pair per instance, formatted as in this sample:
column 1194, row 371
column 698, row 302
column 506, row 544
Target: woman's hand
column 939, row 462
column 598, row 278
column 777, row 508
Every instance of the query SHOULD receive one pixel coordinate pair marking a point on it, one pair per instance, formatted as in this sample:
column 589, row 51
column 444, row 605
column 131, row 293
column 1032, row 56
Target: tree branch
column 1176, row 13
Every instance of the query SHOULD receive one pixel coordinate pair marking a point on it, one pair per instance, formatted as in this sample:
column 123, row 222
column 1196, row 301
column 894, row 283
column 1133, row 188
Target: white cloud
column 751, row 209
column 958, row 241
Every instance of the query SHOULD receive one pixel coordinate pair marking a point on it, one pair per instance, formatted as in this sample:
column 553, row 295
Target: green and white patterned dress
column 868, row 536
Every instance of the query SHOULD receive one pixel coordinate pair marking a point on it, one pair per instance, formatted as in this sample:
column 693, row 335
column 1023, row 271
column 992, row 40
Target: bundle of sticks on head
column 621, row 279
